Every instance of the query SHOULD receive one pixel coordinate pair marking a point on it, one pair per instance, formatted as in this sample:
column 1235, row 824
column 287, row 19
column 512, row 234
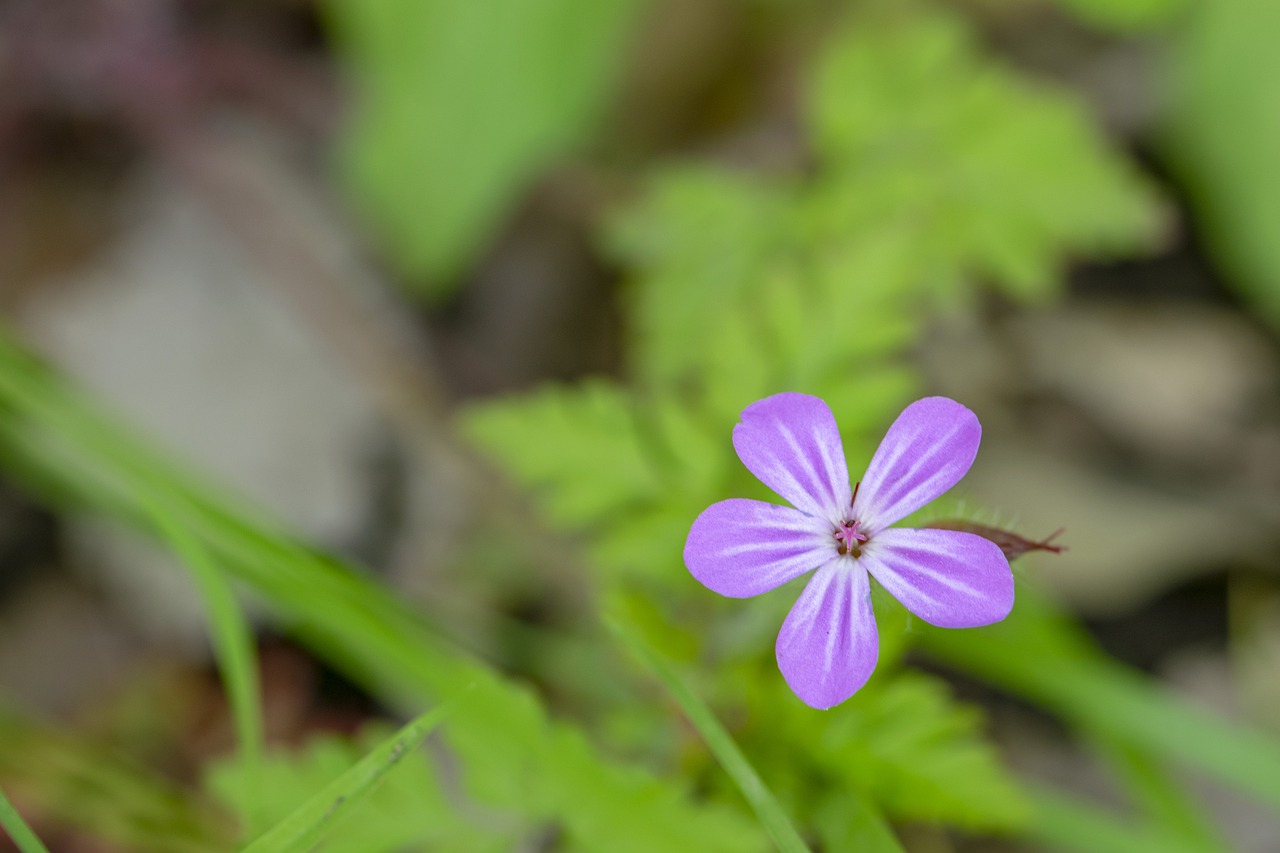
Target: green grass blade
column 61, row 444
column 1159, row 795
column 307, row 825
column 1066, row 823
column 21, row 834
column 232, row 637
column 1037, row 653
column 721, row 744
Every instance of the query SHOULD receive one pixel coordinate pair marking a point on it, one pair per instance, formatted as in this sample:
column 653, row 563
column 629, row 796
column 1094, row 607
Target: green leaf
column 307, row 825
column 409, row 809
column 629, row 473
column 908, row 747
column 560, row 441
column 233, row 645
column 461, row 105
column 700, row 239
column 1222, row 135
column 1125, row 15
column 990, row 174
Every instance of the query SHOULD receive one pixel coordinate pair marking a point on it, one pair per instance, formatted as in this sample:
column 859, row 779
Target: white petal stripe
column 790, row 441
column 742, row 548
column 947, row 578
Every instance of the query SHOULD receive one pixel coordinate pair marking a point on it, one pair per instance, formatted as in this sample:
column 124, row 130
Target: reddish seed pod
column 1010, row 543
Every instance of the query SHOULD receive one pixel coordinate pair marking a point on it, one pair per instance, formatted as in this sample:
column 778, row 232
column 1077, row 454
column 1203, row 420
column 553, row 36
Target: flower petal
column 791, row 443
column 828, row 646
column 927, row 450
column 742, row 548
column 947, row 578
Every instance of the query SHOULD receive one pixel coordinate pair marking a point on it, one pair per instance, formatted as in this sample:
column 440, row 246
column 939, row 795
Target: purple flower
column 828, row 644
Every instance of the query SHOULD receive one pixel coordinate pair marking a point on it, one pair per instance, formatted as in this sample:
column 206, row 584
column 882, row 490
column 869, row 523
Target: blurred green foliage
column 410, row 807
column 1223, row 134
column 815, row 282
column 90, row 790
column 461, row 106
column 511, row 756
column 933, row 172
column 298, row 823
column 929, row 178
column 1126, row 15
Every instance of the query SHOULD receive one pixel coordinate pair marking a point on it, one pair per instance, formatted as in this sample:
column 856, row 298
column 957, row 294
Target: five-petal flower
column 828, row 645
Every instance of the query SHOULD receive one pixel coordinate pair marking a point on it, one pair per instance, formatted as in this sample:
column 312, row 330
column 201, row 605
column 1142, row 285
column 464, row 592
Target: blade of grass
column 232, row 637
column 309, row 823
column 62, row 444
column 1058, row 667
column 1159, row 795
column 720, row 742
column 1065, row 823
column 21, row 834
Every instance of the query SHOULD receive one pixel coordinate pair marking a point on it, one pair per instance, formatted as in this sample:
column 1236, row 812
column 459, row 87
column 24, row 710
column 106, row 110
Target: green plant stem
column 232, row 636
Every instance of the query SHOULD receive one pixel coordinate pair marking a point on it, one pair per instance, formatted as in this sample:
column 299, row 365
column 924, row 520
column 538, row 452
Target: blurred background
column 470, row 294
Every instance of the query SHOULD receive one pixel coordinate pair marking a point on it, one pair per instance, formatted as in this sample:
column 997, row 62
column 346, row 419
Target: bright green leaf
column 1125, row 15
column 988, row 173
column 461, row 105
column 1223, row 134
column 911, row 750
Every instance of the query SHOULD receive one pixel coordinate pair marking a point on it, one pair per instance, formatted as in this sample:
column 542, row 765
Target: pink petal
column 828, row 646
column 927, row 450
column 947, row 578
column 791, row 443
column 742, row 548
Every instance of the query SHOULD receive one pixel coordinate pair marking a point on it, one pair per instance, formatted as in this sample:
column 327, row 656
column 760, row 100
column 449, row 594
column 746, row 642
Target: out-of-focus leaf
column 700, row 239
column 580, row 450
column 1159, row 795
column 935, row 167
column 1223, row 137
column 1065, row 823
column 600, row 460
column 986, row 171
column 720, row 742
column 1058, row 666
column 345, row 792
column 909, row 748
column 1124, row 15
column 461, row 105
column 409, row 808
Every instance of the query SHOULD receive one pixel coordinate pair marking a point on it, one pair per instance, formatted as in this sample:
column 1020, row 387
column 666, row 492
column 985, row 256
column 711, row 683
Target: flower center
column 849, row 538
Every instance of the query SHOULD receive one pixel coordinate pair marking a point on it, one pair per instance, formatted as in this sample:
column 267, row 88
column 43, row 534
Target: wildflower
column 828, row 645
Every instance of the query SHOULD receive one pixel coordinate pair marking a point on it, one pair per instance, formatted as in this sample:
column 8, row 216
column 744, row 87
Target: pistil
column 849, row 538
